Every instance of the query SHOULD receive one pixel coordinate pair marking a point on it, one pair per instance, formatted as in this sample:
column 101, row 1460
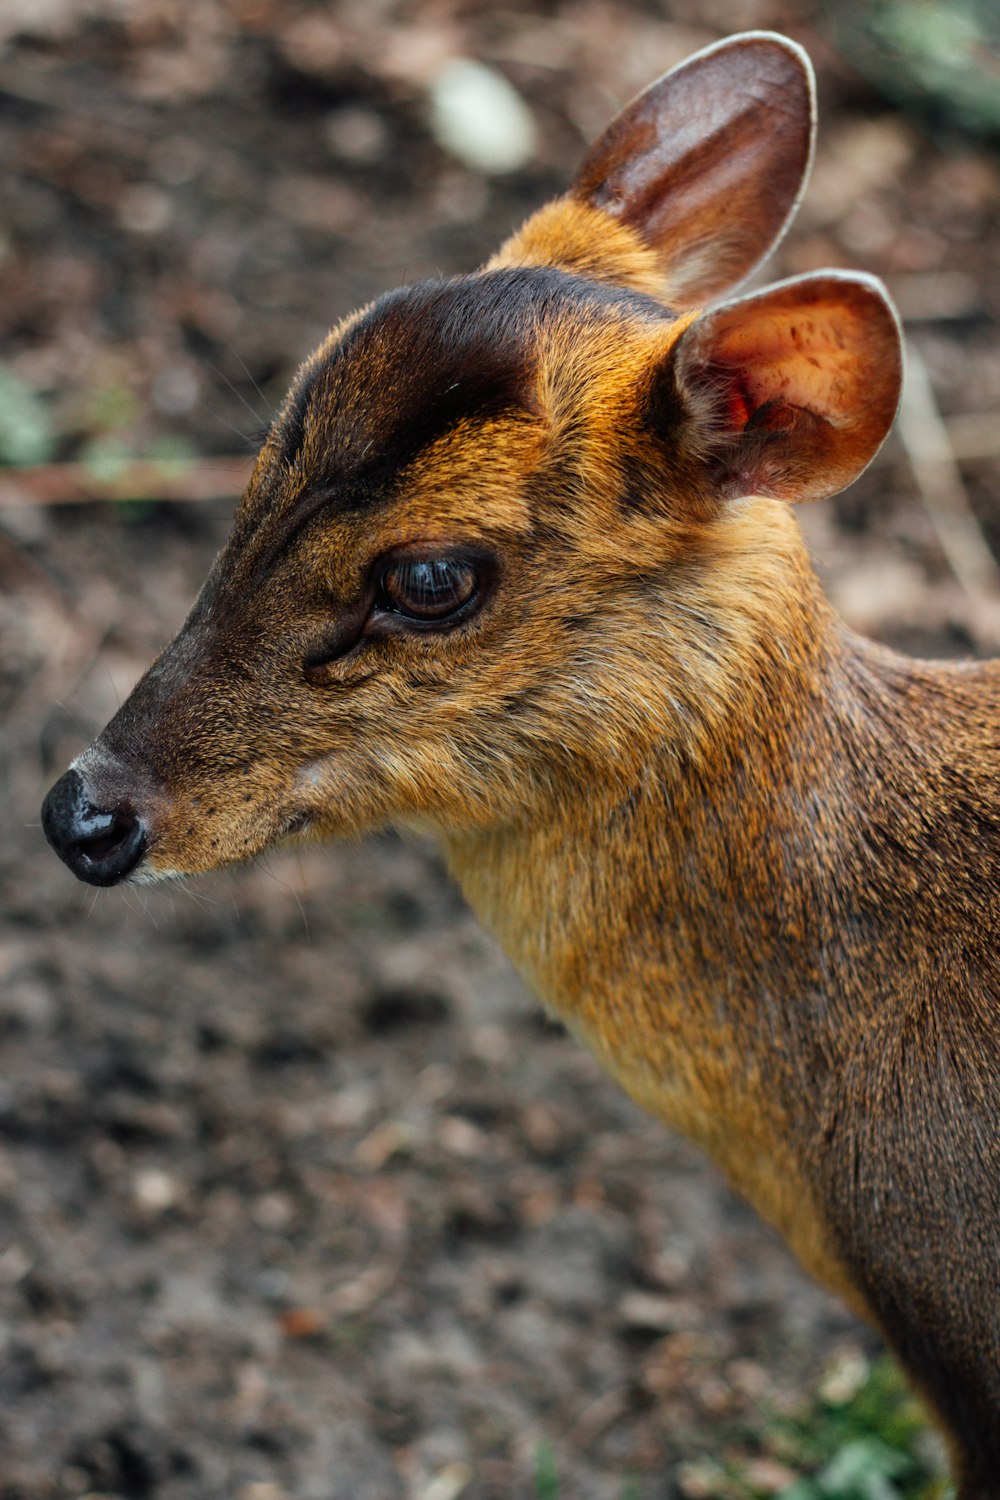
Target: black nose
column 99, row 845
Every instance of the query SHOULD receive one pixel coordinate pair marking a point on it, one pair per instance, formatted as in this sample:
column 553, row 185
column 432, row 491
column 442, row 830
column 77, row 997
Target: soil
column 300, row 1195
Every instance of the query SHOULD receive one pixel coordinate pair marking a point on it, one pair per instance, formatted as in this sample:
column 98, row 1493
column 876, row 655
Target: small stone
column 462, row 1138
column 769, row 1475
column 449, row 1483
column 302, row 1322
column 480, row 118
column 155, row 1191
column 644, row 1310
column 387, row 1139
column 273, row 1211
column 845, row 1378
column 145, row 209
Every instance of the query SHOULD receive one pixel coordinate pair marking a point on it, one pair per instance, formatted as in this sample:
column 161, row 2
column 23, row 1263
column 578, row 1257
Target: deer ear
column 695, row 181
column 788, row 392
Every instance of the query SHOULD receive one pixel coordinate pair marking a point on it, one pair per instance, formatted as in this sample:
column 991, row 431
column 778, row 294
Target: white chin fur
column 143, row 874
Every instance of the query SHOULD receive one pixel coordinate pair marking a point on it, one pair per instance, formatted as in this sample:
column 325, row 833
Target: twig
column 73, row 484
column 602, row 1413
column 932, row 458
column 974, row 435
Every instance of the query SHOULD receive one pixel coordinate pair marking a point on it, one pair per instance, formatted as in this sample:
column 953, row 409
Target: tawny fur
column 751, row 859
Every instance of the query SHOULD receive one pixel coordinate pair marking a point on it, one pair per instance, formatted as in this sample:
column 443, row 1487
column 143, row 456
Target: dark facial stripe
column 424, row 358
column 421, row 360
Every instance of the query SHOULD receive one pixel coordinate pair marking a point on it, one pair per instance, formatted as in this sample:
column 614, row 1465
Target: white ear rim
column 801, row 56
column 872, row 283
column 687, row 347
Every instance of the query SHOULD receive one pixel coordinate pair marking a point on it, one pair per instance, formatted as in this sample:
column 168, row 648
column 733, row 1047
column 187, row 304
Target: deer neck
column 719, row 928
column 627, row 893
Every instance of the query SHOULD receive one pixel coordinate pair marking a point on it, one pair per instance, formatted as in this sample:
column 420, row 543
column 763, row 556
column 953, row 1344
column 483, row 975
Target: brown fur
column 753, row 860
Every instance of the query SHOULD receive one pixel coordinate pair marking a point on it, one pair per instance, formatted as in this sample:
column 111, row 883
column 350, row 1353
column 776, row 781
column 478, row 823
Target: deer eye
column 428, row 589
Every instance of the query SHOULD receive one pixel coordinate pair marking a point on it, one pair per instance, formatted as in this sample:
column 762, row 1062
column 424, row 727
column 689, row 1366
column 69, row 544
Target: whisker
column 235, row 389
column 246, row 437
column 198, row 897
column 246, row 369
column 114, row 685
column 265, row 866
column 68, row 709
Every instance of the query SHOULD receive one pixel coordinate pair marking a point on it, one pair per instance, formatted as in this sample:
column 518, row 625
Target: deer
column 518, row 564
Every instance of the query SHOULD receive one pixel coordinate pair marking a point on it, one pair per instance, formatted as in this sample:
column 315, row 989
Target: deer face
column 484, row 498
column 425, row 556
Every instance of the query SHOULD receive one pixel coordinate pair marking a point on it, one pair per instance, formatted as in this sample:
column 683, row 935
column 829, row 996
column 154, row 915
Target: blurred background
column 299, row 1194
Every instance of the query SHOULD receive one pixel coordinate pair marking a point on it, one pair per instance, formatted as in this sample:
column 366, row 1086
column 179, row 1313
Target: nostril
column 111, row 832
column 99, row 845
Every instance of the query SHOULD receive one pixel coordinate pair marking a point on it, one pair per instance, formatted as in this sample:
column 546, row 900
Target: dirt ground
column 300, row 1196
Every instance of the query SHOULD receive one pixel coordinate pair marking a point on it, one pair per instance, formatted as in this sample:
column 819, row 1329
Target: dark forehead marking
column 420, row 360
